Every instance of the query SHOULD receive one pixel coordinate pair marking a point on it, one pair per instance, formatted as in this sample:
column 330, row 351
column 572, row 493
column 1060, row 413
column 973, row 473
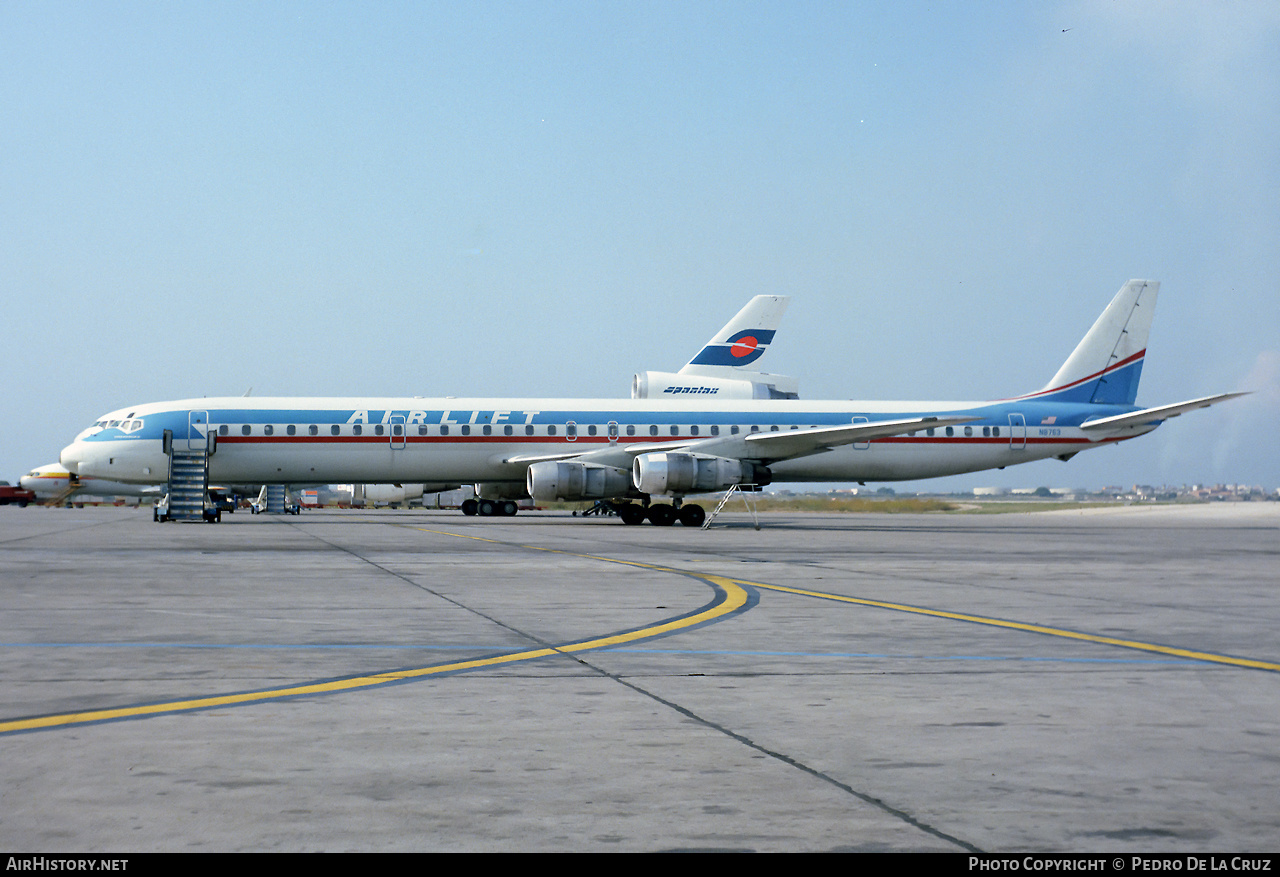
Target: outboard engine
column 678, row 474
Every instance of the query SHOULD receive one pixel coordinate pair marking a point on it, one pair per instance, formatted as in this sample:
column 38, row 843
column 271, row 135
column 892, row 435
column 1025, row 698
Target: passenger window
column 268, row 430
column 422, row 430
column 378, row 430
column 968, row 430
column 291, row 429
column 488, row 430
column 986, row 431
column 733, row 430
column 591, row 429
column 631, row 429
column 715, row 430
column 755, row 427
column 313, row 429
column 507, row 430
column 224, row 429
column 528, row 430
column 675, row 430
column 653, row 430
column 551, row 429
column 466, row 429
column 773, row 428
column 357, row 429
column 929, row 431
column 335, row 430
column 995, row 431
column 693, row 430
column 950, row 432
column 444, row 430
column 245, row 430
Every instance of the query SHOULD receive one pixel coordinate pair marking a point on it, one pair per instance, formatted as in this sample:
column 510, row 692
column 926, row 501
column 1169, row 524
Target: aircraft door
column 397, row 432
column 1017, row 432
column 861, row 446
column 197, row 438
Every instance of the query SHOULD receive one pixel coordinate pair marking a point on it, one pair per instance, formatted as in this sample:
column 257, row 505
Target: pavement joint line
column 782, row 757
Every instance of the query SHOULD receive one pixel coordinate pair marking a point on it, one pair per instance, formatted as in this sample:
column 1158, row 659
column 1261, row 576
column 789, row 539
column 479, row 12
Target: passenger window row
column 613, row 430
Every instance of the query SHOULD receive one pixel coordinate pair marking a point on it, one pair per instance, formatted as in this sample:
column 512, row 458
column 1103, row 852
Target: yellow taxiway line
column 1190, row 654
column 730, row 598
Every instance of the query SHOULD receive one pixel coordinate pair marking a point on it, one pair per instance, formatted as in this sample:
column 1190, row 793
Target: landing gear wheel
column 692, row 515
column 469, row 507
column 662, row 515
column 631, row 513
column 509, row 509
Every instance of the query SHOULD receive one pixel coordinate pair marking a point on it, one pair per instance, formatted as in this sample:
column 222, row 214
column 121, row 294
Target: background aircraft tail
column 1107, row 363
column 726, row 366
column 742, row 340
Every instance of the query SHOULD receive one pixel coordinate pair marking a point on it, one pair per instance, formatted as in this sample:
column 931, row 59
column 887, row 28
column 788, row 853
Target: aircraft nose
column 70, row 458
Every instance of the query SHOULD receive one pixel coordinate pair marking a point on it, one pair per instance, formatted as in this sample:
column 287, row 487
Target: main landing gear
column 487, row 508
column 659, row 514
column 662, row 514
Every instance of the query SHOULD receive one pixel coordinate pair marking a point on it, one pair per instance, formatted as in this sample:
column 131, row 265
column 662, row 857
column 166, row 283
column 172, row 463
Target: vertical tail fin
column 1107, row 363
column 742, row 340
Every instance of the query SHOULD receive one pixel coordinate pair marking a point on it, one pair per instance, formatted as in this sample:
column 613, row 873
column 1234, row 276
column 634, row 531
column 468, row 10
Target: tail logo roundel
column 744, row 345
column 740, row 348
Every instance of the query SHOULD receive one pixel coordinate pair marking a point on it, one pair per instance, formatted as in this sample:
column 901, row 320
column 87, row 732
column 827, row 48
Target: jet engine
column 550, row 481
column 753, row 385
column 501, row 490
column 391, row 494
column 678, row 474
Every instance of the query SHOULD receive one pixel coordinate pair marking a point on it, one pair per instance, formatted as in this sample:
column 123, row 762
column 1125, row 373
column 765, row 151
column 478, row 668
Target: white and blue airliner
column 644, row 455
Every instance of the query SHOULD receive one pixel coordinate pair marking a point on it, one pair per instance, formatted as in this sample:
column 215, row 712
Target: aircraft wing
column 763, row 446
column 803, row 442
column 597, row 451
column 1154, row 415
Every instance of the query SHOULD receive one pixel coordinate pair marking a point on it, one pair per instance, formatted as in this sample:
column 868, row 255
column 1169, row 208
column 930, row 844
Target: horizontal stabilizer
column 1155, row 415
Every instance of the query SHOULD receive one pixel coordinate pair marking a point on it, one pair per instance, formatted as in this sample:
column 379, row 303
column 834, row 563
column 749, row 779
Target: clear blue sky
column 516, row 199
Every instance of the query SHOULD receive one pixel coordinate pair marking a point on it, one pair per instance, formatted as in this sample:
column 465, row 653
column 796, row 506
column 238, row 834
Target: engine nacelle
column 753, row 385
column 550, row 481
column 501, row 490
column 678, row 474
column 391, row 494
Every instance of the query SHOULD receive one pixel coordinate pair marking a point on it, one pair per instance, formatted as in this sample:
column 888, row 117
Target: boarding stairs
column 62, row 495
column 188, row 483
column 275, row 499
column 748, row 497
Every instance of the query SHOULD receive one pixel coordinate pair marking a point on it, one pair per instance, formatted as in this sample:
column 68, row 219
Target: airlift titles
column 446, row 418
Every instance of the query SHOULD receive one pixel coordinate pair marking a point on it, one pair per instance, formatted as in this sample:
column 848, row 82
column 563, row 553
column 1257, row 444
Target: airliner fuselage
column 292, row 440
column 684, row 436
